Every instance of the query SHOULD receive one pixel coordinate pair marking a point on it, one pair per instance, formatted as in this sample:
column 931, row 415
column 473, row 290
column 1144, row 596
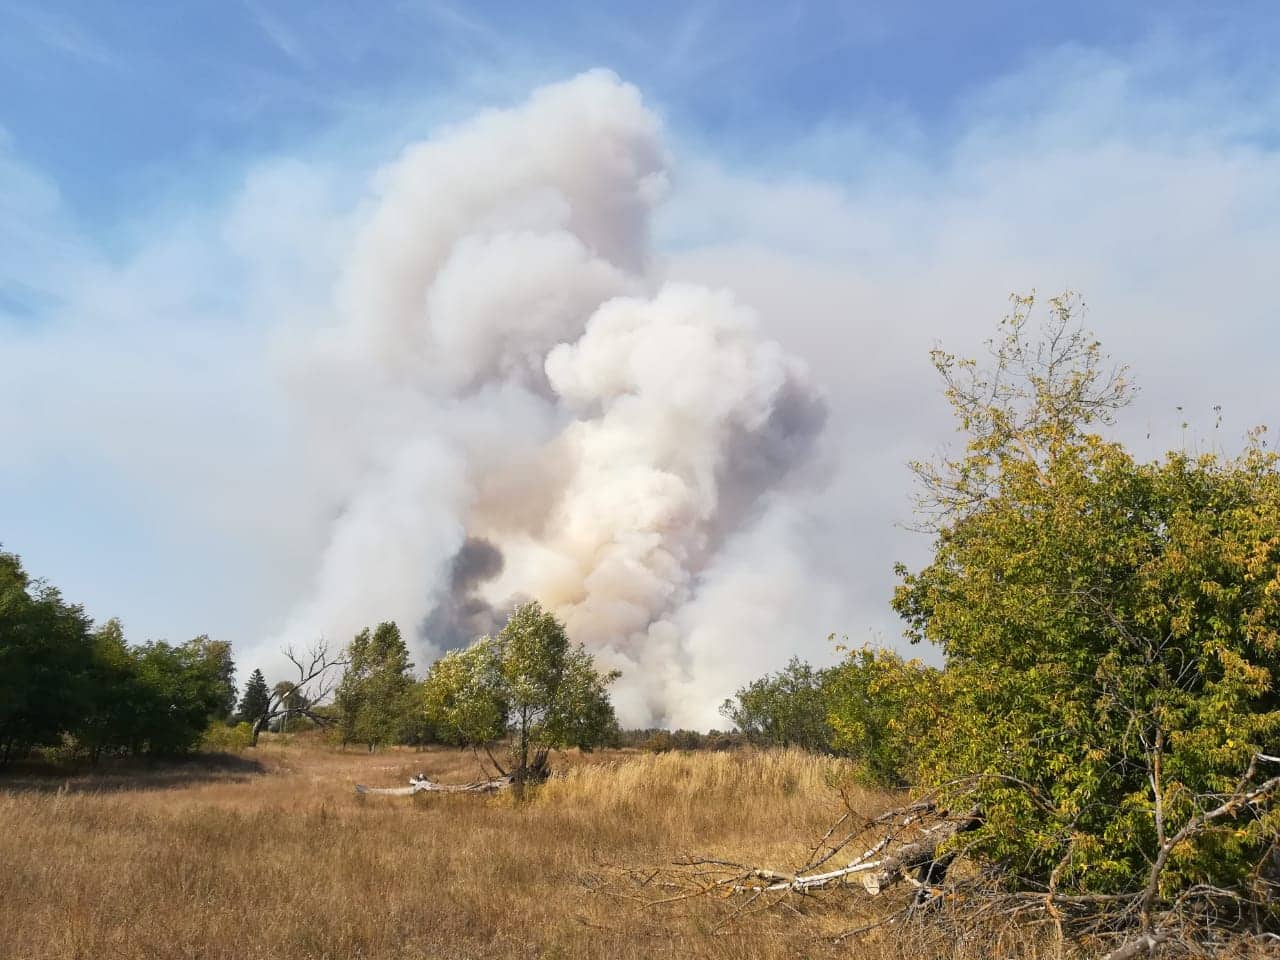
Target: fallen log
column 921, row 855
column 919, row 846
column 1143, row 946
column 420, row 784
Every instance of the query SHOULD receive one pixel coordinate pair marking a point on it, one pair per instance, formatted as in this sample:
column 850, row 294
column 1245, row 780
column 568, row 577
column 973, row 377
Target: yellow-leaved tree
column 1112, row 638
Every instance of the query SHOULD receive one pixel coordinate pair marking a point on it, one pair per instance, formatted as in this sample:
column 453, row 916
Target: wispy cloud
column 280, row 34
column 63, row 33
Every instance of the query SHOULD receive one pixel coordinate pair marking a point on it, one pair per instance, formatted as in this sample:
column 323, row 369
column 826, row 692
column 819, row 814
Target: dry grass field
column 275, row 855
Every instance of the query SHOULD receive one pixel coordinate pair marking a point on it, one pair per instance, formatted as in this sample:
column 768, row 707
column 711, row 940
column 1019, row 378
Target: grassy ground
column 274, row 855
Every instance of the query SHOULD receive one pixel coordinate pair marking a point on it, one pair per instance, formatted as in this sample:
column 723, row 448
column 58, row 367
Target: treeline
column 515, row 696
column 65, row 683
column 662, row 740
column 84, row 692
column 87, row 692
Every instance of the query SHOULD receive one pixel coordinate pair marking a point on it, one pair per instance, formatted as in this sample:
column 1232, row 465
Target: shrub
column 220, row 737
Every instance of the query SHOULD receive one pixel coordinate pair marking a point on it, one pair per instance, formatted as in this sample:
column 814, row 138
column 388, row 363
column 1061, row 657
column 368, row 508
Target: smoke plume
column 462, row 614
column 506, row 402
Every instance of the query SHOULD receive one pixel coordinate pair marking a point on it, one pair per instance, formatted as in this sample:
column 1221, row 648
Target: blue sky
column 179, row 182
column 120, row 103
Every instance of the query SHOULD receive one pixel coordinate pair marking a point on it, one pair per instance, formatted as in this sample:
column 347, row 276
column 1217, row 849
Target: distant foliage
column 88, row 691
column 658, row 740
column 882, row 710
column 784, row 709
column 874, row 707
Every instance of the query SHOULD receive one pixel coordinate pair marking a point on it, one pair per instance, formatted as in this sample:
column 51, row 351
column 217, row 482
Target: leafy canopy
column 61, row 681
column 528, row 684
column 787, row 708
column 881, row 709
column 1111, row 627
column 46, row 654
column 374, row 696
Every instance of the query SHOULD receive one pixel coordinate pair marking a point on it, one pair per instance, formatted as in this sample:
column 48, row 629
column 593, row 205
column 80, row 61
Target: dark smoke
column 759, row 460
column 461, row 616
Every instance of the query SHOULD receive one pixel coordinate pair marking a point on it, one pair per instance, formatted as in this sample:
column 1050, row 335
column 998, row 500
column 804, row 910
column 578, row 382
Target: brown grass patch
column 276, row 856
column 273, row 855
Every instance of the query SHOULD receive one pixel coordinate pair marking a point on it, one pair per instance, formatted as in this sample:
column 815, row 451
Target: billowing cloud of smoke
column 426, row 410
column 509, row 404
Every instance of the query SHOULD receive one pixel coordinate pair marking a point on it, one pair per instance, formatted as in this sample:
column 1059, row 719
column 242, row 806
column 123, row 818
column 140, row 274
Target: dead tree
column 315, row 684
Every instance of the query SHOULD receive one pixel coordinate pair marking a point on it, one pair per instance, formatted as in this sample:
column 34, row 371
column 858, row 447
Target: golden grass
column 276, row 856
column 207, row 861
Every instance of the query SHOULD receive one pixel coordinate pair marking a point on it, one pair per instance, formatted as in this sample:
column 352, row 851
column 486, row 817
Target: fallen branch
column 420, row 784
column 1143, row 946
column 918, row 846
column 920, row 852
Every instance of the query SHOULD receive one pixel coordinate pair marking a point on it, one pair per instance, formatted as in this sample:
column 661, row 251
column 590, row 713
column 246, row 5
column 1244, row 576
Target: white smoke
column 506, row 380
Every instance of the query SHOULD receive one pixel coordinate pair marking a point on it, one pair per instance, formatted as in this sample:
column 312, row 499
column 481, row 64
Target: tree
column 464, row 698
column 181, row 690
column 113, row 718
column 529, row 685
column 1104, row 752
column 882, row 710
column 45, row 657
column 1112, row 635
column 788, row 708
column 256, row 700
column 221, row 668
column 373, row 697
column 60, row 678
column 304, row 696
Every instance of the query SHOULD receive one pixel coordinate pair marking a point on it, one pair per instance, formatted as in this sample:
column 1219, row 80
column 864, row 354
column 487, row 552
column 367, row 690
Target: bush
column 882, row 710
column 785, row 709
column 660, row 741
column 219, row 737
column 1112, row 633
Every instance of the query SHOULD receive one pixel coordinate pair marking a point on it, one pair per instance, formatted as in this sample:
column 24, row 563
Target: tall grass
column 290, row 862
column 279, row 858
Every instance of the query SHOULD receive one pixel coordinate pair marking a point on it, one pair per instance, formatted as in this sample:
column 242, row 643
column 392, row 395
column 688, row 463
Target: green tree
column 181, row 689
column 787, row 708
column 374, row 697
column 58, row 676
column 112, row 718
column 529, row 685
column 256, row 700
column 464, row 698
column 881, row 710
column 1111, row 631
column 45, row 657
column 221, row 668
